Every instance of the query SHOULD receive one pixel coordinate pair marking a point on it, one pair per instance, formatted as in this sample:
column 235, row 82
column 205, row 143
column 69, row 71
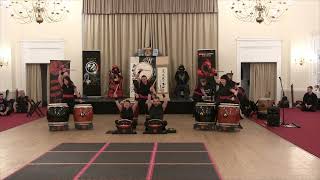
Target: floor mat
column 121, row 161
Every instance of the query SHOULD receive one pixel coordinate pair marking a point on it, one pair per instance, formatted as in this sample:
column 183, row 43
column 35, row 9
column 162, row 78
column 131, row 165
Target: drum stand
column 288, row 125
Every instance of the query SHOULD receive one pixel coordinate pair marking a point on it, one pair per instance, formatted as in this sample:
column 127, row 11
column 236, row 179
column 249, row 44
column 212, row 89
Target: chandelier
column 266, row 11
column 27, row 11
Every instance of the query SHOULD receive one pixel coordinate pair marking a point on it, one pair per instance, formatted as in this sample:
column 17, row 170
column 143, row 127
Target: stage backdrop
column 206, row 63
column 57, row 67
column 91, row 73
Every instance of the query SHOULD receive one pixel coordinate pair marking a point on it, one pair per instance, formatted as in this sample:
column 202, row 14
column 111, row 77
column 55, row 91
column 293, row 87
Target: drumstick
column 115, row 91
column 155, row 81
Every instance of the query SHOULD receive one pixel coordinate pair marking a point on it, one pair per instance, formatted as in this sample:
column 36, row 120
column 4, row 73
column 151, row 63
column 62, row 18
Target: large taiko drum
column 228, row 115
column 58, row 116
column 264, row 104
column 83, row 116
column 205, row 115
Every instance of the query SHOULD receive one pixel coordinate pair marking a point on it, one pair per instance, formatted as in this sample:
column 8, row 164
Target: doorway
column 259, row 80
column 37, row 82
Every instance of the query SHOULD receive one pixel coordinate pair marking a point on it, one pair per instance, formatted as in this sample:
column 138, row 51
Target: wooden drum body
column 228, row 115
column 58, row 116
column 83, row 116
column 205, row 114
column 264, row 104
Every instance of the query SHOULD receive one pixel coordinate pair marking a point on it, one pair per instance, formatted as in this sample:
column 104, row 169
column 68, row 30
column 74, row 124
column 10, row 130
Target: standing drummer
column 226, row 93
column 203, row 89
column 142, row 88
column 69, row 92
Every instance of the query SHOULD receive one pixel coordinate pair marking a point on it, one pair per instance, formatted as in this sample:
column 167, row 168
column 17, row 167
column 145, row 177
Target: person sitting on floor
column 4, row 109
column 309, row 100
column 22, row 104
column 225, row 93
column 156, row 109
column 317, row 92
column 126, row 109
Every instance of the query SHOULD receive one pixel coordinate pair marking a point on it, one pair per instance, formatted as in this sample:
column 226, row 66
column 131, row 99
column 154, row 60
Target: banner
column 91, row 64
column 206, row 64
column 57, row 68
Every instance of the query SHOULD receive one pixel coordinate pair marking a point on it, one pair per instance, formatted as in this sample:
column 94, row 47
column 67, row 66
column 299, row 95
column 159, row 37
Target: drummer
column 156, row 108
column 225, row 93
column 203, row 89
column 69, row 91
column 142, row 88
column 126, row 109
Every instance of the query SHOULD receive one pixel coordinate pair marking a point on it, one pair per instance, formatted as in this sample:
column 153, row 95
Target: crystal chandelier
column 27, row 11
column 266, row 11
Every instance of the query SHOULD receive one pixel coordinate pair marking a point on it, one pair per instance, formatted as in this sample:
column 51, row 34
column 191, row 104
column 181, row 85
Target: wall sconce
column 3, row 62
column 300, row 61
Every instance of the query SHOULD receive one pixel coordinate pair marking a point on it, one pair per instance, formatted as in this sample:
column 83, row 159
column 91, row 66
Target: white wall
column 69, row 30
column 295, row 29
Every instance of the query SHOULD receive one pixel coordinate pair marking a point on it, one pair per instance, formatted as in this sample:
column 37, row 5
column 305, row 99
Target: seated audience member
column 22, row 104
column 203, row 89
column 317, row 92
column 309, row 101
column 126, row 109
column 3, row 106
column 225, row 93
column 156, row 109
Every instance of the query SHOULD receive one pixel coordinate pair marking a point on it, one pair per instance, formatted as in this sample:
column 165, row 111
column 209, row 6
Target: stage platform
column 103, row 105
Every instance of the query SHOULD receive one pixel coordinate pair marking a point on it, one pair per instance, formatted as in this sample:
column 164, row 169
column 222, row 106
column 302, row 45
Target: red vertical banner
column 207, row 65
column 56, row 68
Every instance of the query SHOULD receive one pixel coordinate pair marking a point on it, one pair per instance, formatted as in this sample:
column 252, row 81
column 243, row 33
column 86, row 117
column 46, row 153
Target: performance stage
column 103, row 105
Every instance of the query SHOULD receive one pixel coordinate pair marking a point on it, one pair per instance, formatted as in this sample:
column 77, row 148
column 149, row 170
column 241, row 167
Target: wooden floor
column 252, row 153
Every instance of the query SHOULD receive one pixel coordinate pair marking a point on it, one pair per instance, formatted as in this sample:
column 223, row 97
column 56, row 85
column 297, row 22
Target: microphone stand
column 283, row 123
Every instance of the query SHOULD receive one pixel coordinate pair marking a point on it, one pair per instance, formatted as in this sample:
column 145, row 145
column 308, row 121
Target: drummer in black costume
column 203, row 89
column 226, row 93
column 126, row 109
column 69, row 91
column 142, row 88
column 156, row 108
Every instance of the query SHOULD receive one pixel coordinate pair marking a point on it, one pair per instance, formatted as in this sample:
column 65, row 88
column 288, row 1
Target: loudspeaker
column 273, row 116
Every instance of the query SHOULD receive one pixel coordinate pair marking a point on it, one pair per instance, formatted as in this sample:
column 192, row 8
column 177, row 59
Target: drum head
column 83, row 106
column 58, row 105
column 228, row 105
column 205, row 104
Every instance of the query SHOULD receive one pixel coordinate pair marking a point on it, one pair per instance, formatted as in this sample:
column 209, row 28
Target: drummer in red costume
column 226, row 93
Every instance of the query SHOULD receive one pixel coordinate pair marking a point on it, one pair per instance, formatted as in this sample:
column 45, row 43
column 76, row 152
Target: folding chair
column 35, row 109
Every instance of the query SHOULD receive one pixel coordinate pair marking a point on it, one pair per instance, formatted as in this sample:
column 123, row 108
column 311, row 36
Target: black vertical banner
column 207, row 64
column 91, row 65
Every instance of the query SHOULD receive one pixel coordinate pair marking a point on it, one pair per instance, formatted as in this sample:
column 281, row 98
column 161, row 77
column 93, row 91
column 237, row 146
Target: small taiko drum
column 124, row 126
column 58, row 116
column 264, row 104
column 228, row 115
column 83, row 116
column 155, row 126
